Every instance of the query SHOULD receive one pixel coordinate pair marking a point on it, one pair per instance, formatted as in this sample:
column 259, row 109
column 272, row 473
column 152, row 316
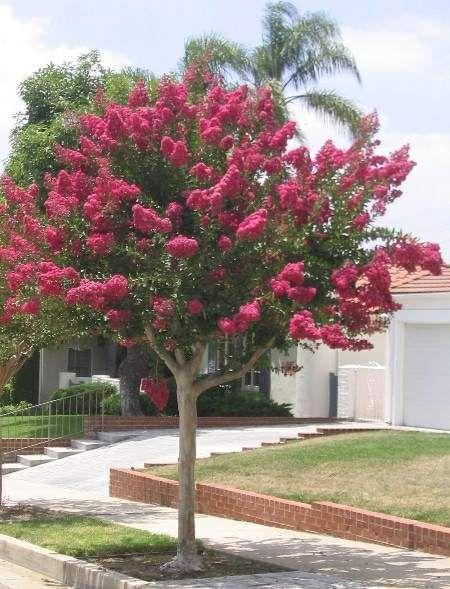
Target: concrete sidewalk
column 13, row 576
column 371, row 565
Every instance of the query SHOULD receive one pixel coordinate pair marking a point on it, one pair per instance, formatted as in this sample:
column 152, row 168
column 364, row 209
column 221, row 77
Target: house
column 74, row 363
column 408, row 368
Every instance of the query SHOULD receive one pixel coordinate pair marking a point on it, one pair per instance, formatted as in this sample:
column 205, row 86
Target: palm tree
column 296, row 51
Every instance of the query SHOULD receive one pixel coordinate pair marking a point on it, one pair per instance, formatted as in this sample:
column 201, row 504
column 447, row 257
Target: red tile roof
column 421, row 281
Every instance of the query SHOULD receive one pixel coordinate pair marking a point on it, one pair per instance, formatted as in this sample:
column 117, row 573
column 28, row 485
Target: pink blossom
column 100, row 243
column 252, row 226
column 118, row 317
column 180, row 154
column 182, row 247
column 31, row 307
column 201, row 171
column 250, row 312
column 279, row 287
column 293, row 272
column 302, row 326
column 227, row 325
column 138, row 95
column 162, row 306
column 302, row 294
column 224, row 243
column 195, row 306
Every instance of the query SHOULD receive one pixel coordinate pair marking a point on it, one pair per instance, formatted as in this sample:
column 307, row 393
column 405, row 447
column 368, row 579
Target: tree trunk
column 187, row 558
column 134, row 366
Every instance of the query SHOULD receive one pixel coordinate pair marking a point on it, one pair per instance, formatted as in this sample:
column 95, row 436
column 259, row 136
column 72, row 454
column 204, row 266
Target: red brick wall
column 117, row 422
column 13, row 446
column 324, row 517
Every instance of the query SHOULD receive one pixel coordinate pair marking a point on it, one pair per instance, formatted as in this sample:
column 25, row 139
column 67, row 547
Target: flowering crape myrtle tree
column 29, row 319
column 184, row 221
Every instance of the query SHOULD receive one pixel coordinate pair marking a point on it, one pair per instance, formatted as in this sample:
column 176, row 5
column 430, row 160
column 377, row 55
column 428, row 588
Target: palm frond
column 224, row 57
column 277, row 22
column 331, row 106
column 327, row 59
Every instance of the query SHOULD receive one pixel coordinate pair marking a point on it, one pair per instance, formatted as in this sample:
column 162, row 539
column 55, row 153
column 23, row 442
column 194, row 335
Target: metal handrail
column 50, row 421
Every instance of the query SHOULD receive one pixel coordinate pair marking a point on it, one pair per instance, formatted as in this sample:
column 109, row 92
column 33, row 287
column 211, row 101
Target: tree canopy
column 181, row 219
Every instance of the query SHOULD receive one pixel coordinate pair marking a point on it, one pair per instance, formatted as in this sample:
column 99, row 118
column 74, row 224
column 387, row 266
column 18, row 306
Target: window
column 80, row 362
column 252, row 379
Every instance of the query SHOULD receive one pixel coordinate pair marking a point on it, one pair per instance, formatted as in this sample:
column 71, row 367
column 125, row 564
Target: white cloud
column 23, row 52
column 387, row 51
column 424, row 207
column 407, row 46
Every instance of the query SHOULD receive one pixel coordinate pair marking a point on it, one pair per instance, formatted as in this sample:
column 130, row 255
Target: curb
column 68, row 570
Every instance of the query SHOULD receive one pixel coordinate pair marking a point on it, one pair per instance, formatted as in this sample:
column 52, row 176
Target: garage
column 427, row 375
column 419, row 350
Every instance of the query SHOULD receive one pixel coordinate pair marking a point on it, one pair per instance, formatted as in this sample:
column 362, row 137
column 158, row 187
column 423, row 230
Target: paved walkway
column 89, row 471
column 371, row 565
column 13, row 576
column 79, row 483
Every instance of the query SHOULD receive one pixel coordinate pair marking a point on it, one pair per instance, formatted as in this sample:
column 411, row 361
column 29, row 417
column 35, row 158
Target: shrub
column 14, row 407
column 223, row 401
column 71, row 398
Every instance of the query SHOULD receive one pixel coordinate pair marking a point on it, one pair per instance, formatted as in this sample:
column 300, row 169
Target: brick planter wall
column 13, row 446
column 117, row 422
column 323, row 517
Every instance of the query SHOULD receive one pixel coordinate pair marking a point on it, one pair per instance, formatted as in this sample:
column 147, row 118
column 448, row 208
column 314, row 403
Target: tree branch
column 195, row 363
column 216, row 380
column 171, row 363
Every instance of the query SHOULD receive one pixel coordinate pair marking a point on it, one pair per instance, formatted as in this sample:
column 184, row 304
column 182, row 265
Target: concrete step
column 34, row 459
column 307, row 435
column 86, row 444
column 61, row 451
column 288, row 440
column 113, row 437
column 9, row 467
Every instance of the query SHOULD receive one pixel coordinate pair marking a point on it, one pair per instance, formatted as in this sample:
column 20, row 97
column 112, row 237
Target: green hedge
column 219, row 402
column 98, row 392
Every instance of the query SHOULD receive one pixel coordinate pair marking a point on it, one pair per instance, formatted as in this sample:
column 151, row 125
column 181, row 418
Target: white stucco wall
column 55, row 360
column 308, row 391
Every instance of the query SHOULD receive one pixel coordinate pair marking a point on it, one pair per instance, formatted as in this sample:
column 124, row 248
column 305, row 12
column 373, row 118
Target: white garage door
column 427, row 376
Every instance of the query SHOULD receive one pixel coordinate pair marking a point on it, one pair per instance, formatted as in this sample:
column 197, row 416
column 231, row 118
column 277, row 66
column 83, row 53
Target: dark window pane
column 80, row 362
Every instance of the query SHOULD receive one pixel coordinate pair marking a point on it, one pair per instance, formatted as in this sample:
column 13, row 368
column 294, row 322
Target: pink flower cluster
column 147, row 220
column 182, row 247
column 289, row 283
column 157, row 391
column 302, row 326
column 252, row 227
column 195, row 306
column 98, row 295
column 240, row 322
column 411, row 254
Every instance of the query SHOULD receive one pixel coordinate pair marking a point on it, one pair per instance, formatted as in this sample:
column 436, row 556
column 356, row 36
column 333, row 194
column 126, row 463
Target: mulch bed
column 216, row 564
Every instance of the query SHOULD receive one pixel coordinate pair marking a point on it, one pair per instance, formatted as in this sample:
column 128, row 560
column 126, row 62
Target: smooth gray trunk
column 187, row 557
column 134, row 366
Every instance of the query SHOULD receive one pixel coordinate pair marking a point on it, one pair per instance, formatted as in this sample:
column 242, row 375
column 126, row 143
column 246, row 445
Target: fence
column 54, row 420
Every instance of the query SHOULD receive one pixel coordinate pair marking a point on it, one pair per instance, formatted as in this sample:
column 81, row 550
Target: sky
column 402, row 48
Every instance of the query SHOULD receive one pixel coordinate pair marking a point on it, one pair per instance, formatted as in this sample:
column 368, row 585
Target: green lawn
column 401, row 473
column 40, row 426
column 85, row 537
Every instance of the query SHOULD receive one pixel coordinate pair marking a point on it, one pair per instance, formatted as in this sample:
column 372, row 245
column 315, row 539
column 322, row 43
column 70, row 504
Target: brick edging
column 117, row 422
column 13, row 446
column 323, row 516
